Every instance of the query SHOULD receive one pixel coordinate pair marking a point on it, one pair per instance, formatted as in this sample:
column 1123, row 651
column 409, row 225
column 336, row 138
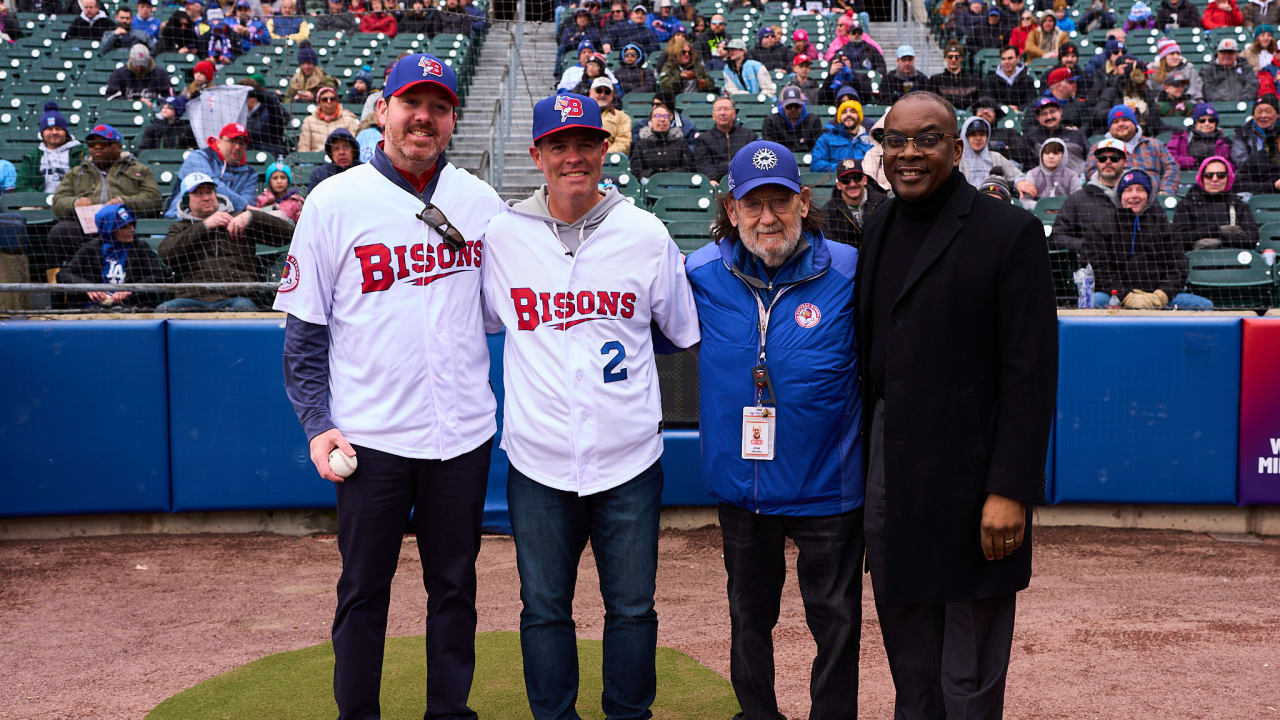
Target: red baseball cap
column 800, row 59
column 233, row 130
column 1060, row 74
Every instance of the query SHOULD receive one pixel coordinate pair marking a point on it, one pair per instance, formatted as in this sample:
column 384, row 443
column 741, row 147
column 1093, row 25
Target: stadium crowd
column 1051, row 120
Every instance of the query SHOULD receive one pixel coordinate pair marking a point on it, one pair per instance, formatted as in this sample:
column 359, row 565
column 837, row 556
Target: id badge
column 758, row 430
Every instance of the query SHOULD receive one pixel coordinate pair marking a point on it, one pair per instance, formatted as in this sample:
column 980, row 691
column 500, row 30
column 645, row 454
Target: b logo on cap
column 122, row 213
column 568, row 107
column 430, row 67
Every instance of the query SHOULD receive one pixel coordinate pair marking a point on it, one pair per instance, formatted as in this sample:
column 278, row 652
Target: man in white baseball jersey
column 386, row 359
column 577, row 276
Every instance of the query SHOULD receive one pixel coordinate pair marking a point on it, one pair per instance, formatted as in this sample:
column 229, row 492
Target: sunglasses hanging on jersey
column 434, row 217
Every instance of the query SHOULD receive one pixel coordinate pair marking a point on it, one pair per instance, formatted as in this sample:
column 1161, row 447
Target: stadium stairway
column 533, row 81
column 928, row 55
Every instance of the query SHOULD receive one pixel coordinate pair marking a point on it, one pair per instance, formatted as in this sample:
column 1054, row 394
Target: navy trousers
column 447, row 500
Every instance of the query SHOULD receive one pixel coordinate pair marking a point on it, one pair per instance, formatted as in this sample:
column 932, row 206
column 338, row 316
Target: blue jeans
column 1181, row 301
column 551, row 528
column 179, row 304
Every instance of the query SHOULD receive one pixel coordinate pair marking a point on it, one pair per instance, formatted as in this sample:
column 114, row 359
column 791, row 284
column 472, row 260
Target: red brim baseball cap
column 413, row 70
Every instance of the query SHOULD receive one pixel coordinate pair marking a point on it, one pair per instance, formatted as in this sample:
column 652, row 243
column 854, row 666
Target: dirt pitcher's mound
column 1116, row 624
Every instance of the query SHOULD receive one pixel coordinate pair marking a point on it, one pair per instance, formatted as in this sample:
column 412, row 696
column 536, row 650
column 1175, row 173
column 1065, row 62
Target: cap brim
column 572, row 126
column 752, row 184
column 452, row 95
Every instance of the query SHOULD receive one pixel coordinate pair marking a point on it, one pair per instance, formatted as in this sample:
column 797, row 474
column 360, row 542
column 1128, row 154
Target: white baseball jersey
column 408, row 359
column 582, row 411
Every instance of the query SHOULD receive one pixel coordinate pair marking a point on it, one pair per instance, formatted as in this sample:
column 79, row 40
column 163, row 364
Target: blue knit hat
column 1121, row 111
column 1261, row 29
column 306, row 53
column 278, row 166
column 1203, row 110
column 52, row 118
column 179, row 104
column 1134, row 177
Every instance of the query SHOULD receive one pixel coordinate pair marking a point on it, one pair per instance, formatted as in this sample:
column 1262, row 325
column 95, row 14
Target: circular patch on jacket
column 289, row 275
column 808, row 315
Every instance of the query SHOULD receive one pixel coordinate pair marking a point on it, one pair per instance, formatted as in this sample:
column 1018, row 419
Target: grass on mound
column 297, row 685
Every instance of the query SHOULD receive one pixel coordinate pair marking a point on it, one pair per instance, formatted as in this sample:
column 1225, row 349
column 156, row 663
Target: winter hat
column 857, row 107
column 765, row 32
column 206, row 68
column 799, row 35
column 308, row 54
column 179, row 104
column 1202, row 110
column 1164, row 46
column 847, row 90
column 1114, row 46
column 1231, row 171
column 1134, row 177
column 1121, row 111
column 139, row 56
column 365, row 74
column 1139, row 11
column 997, row 187
column 1261, row 29
column 52, row 117
column 278, row 166
column 633, row 46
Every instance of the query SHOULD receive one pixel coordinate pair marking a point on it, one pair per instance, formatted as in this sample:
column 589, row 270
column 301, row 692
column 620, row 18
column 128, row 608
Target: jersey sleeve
column 672, row 302
column 489, row 292
column 306, row 285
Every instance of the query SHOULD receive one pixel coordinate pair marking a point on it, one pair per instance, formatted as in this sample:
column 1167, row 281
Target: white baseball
column 340, row 464
column 106, row 302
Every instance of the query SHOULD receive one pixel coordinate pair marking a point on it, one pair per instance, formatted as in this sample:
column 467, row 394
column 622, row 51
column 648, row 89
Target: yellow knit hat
column 857, row 107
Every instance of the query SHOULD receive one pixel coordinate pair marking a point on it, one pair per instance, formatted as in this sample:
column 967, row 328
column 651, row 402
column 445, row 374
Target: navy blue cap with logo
column 762, row 163
column 564, row 112
column 413, row 70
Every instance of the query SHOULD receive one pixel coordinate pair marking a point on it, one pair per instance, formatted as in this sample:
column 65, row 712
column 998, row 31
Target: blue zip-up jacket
column 239, row 184
column 837, row 144
column 811, row 356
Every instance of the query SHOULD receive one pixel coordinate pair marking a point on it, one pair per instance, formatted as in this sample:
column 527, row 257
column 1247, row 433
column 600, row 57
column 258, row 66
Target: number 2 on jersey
column 612, row 373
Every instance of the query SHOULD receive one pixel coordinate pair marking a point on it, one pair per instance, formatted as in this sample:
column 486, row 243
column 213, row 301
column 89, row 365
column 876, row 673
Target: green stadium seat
column 615, row 163
column 1231, row 278
column 698, row 208
column 689, row 235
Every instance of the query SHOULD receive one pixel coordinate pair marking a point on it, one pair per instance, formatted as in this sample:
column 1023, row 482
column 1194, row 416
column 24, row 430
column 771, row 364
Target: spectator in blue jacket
column 843, row 139
column 145, row 20
column 782, row 455
column 663, row 23
column 636, row 32
column 246, row 30
column 572, row 34
column 224, row 160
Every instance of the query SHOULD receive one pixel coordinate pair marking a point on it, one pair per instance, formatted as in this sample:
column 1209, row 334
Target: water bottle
column 1113, row 305
column 1269, row 257
column 1083, row 279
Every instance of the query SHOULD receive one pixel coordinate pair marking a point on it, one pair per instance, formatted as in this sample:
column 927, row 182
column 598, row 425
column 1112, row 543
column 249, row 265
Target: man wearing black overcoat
column 958, row 330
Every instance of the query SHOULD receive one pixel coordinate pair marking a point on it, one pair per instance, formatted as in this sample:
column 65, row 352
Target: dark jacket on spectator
column 654, row 152
column 1017, row 90
column 1228, row 83
column 81, row 29
column 1082, row 214
column 1191, row 147
column 799, row 137
column 862, row 56
column 636, row 78
column 777, row 57
column 173, row 37
column 988, row 37
column 141, row 265
column 1186, row 14
column 672, row 82
column 1204, row 215
column 713, row 149
column 1077, row 142
column 1255, row 153
column 452, row 23
column 200, row 255
column 345, row 22
column 626, row 33
column 1135, row 251
column 895, row 86
column 840, row 223
column 163, row 133
column 154, row 83
column 267, row 123
column 571, row 36
column 960, row 88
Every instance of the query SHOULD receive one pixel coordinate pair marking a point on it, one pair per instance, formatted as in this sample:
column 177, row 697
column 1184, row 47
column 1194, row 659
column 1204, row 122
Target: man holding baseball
column 387, row 366
column 577, row 277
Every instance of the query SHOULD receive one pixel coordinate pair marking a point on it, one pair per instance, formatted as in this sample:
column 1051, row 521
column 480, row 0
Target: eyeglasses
column 1215, row 175
column 1208, row 119
column 895, row 142
column 778, row 205
column 1110, row 158
column 659, row 116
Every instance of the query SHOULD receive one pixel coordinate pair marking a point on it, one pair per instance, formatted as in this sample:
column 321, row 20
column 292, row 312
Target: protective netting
column 303, row 81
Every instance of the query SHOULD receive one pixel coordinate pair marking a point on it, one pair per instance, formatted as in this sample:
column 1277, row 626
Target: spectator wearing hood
column 660, row 148
column 744, row 75
column 801, row 66
column 714, row 148
column 792, row 125
column 633, row 76
column 664, row 23
column 1204, row 139
column 683, row 70
column 106, row 174
column 343, row 152
column 1010, row 83
column 1045, row 122
column 1136, row 254
column 1255, row 149
column 123, row 35
column 635, row 31
column 1142, row 152
column 113, row 257
column 91, row 24
column 213, row 243
column 853, row 198
column 1047, row 39
column 42, row 169
column 1006, row 141
column 844, row 139
column 1053, row 177
column 1210, row 215
column 328, row 116
column 178, row 34
column 280, row 197
column 139, row 78
column 1180, row 13
column 572, row 34
column 169, row 128
column 770, row 51
column 959, row 86
column 1140, row 18
column 1221, row 13
column 904, row 78
column 224, row 160
column 978, row 161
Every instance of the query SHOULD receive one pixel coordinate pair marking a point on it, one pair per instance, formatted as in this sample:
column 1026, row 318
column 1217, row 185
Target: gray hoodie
column 571, row 235
column 1058, row 182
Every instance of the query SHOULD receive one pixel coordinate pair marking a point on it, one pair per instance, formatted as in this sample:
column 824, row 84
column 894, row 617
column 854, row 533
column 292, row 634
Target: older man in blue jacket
column 780, row 418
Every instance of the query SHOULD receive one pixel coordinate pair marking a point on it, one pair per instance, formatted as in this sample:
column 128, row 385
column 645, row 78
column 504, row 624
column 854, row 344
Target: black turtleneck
column 907, row 230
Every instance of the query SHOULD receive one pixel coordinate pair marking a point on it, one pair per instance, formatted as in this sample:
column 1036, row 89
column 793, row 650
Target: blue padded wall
column 85, row 417
column 496, row 517
column 682, row 469
column 1147, row 410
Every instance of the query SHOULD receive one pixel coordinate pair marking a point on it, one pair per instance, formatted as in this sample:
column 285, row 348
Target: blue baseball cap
column 1047, row 100
column 110, row 218
column 105, row 132
column 413, row 70
column 762, row 163
column 565, row 111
